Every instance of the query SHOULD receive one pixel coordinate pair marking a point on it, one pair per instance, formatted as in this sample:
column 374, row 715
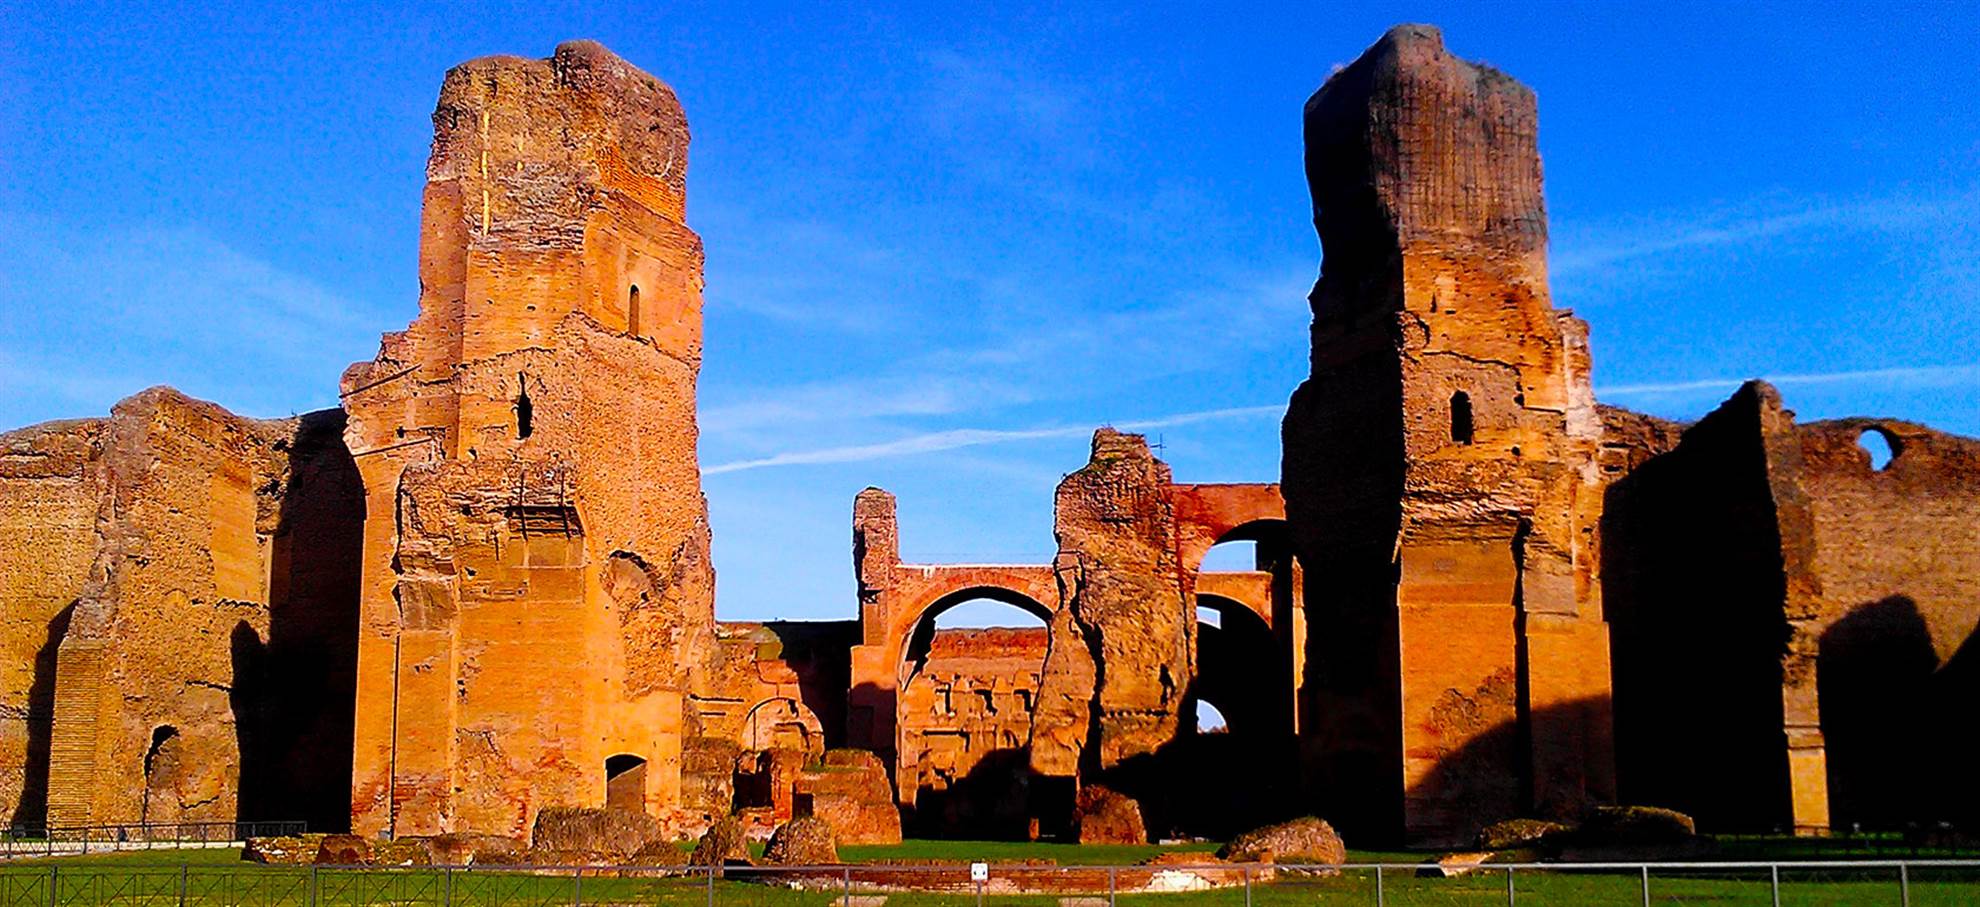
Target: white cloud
column 1578, row 252
column 931, row 442
column 1910, row 377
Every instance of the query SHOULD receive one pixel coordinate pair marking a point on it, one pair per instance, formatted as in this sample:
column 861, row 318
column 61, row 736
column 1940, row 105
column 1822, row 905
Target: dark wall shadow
column 820, row 652
column 1491, row 752
column 1694, row 588
column 31, row 812
column 295, row 695
column 1895, row 756
column 992, row 802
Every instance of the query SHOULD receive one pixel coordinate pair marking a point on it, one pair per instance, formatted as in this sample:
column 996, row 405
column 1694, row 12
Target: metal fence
column 1899, row 882
column 79, row 839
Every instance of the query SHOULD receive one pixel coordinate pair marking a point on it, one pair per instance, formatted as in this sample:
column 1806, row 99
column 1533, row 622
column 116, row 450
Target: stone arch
column 921, row 623
column 781, row 722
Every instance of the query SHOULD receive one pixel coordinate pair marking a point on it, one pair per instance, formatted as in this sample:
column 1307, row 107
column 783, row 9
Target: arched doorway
column 969, row 678
column 625, row 783
column 781, row 722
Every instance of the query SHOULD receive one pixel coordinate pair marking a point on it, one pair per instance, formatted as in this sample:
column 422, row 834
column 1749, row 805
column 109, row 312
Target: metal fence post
column 54, row 876
column 447, row 886
column 846, row 898
column 1904, row 885
column 1378, row 886
column 182, row 885
column 1111, row 885
column 711, row 885
column 577, row 888
column 312, row 885
column 1646, row 885
column 1774, row 869
column 1509, row 886
column 1247, row 885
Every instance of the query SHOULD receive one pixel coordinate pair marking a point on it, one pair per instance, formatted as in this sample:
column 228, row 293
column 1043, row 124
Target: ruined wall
column 965, row 720
column 50, row 487
column 1840, row 600
column 528, row 454
column 1123, row 645
column 1897, row 557
column 192, row 674
column 1439, row 464
column 1697, row 582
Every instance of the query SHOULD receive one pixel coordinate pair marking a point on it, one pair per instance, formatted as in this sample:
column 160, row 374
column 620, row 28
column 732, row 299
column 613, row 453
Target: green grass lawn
column 218, row 878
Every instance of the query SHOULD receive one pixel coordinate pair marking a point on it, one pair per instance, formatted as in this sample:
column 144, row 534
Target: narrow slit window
column 632, row 310
column 525, row 411
column 1461, row 418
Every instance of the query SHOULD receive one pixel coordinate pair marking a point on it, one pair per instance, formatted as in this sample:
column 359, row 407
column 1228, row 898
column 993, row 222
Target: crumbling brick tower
column 536, row 576
column 1438, row 468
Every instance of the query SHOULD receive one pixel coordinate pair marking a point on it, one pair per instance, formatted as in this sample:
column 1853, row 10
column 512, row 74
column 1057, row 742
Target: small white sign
column 979, row 872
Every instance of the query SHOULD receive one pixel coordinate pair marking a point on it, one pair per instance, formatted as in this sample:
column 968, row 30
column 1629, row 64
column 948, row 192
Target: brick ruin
column 481, row 586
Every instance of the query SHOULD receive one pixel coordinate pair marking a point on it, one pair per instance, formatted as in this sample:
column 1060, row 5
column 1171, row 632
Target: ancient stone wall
column 1842, row 602
column 189, row 583
column 1894, row 655
column 1440, row 462
column 965, row 720
column 1695, row 583
column 51, row 484
column 528, row 454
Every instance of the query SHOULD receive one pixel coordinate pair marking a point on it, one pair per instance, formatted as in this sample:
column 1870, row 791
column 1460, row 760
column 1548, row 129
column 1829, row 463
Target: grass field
column 218, row 878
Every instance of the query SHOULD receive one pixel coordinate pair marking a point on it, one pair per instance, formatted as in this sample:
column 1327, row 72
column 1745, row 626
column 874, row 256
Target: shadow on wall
column 1212, row 786
column 32, row 810
column 1694, row 588
column 1897, row 723
column 990, row 803
column 820, row 653
column 1486, row 756
column 295, row 695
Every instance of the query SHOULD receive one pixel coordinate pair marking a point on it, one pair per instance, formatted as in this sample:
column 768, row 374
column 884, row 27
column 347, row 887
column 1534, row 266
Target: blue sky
column 944, row 242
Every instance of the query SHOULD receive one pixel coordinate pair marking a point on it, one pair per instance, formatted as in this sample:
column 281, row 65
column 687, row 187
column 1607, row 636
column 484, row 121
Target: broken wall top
column 1410, row 147
column 561, row 130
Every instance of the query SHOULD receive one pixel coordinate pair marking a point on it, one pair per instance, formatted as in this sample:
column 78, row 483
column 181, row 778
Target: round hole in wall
column 1881, row 446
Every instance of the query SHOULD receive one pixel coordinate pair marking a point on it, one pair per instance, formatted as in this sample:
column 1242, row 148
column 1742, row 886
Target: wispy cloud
column 1579, row 252
column 1912, row 377
column 145, row 304
column 931, row 442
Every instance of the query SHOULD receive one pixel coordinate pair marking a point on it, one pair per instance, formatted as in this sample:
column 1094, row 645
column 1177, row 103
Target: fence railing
column 73, row 839
column 1901, row 882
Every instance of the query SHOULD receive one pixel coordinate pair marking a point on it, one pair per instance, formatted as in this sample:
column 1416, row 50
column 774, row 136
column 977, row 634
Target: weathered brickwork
column 527, row 447
column 481, row 587
column 1439, row 465
column 1842, row 601
column 174, row 560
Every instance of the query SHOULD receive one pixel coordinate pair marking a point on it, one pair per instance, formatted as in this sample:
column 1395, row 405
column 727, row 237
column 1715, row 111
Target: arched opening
column 1461, row 428
column 1209, row 720
column 161, row 776
column 1880, row 446
column 782, row 723
column 632, row 310
column 970, row 673
column 1238, row 712
column 625, row 783
column 1231, row 556
column 525, row 410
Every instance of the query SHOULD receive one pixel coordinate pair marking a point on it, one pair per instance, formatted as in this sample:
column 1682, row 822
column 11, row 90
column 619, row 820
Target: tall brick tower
column 536, row 575
column 1439, row 463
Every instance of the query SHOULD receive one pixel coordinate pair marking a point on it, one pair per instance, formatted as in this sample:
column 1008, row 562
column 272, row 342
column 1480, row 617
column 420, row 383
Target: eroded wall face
column 1898, row 562
column 50, row 487
column 1439, row 467
column 528, row 455
column 157, row 692
column 1696, row 587
column 965, row 722
column 1123, row 636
